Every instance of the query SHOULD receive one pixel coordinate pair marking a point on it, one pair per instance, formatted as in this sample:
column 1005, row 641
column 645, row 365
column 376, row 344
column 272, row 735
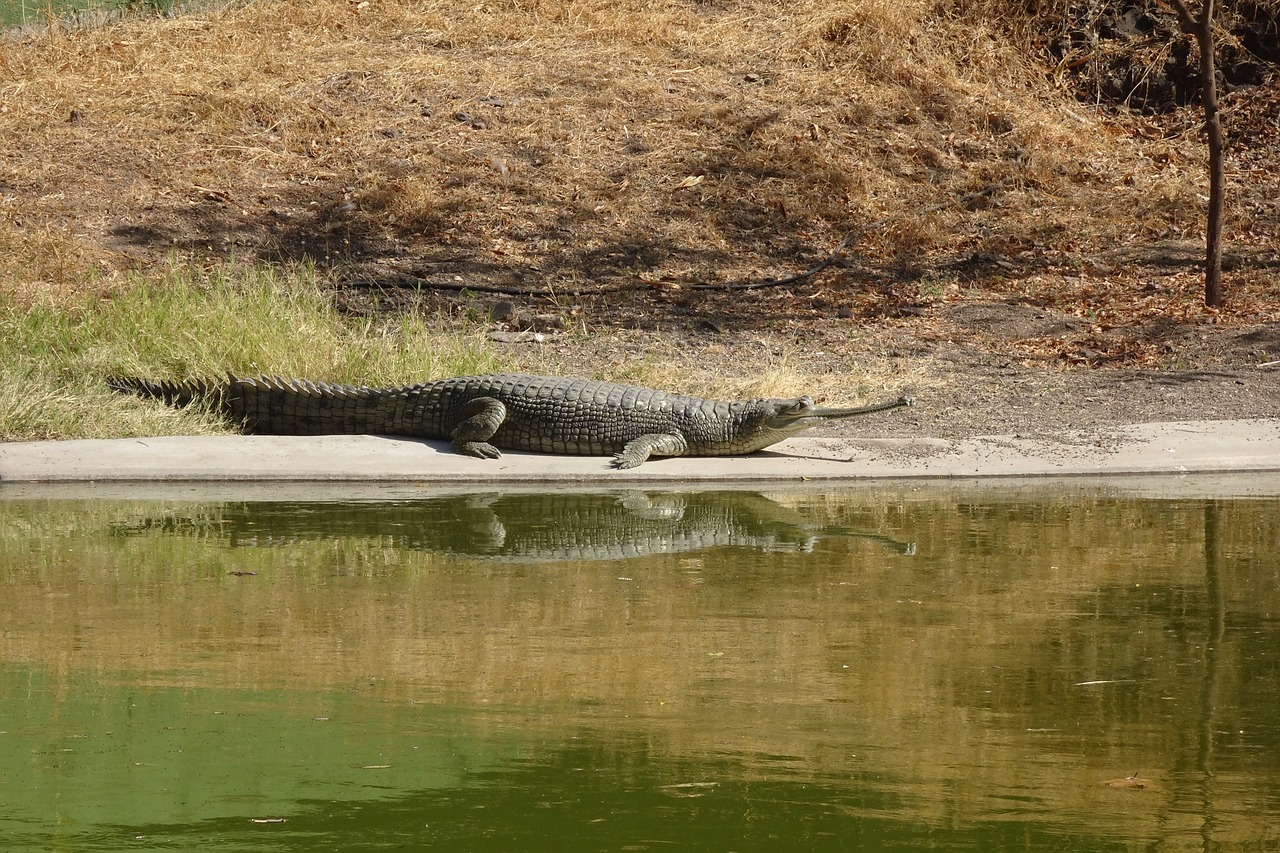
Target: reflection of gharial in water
column 527, row 527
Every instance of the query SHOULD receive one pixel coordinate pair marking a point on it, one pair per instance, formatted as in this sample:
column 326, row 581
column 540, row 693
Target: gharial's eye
column 802, row 404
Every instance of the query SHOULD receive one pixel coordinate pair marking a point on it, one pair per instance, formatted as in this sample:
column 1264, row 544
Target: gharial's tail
column 272, row 405
column 177, row 394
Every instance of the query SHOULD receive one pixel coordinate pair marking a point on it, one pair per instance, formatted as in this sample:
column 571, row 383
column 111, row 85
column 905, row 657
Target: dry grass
column 560, row 142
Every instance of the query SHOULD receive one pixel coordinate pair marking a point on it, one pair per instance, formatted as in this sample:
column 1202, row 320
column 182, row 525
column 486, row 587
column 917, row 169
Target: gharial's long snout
column 803, row 413
column 829, row 414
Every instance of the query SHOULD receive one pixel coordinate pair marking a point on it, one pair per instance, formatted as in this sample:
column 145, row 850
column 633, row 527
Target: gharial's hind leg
column 481, row 419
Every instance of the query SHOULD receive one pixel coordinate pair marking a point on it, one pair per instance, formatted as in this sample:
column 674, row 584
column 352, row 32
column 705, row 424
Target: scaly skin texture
column 479, row 414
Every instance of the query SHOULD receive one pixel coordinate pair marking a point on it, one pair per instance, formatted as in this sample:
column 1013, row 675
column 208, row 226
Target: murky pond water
column 1074, row 668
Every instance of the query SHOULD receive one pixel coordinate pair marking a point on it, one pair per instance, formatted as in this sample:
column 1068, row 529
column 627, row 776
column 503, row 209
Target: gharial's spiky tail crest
column 173, row 393
column 273, row 405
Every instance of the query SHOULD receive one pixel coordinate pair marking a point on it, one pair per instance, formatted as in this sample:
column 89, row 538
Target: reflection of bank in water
column 524, row 527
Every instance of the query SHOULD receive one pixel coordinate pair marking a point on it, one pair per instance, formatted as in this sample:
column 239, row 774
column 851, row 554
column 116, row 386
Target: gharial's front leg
column 481, row 418
column 650, row 444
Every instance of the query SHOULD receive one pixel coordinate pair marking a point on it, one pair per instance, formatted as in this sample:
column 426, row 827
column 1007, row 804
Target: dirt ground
column 986, row 356
column 972, row 389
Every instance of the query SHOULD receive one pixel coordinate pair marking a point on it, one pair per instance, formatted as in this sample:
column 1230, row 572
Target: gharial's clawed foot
column 478, row 449
column 623, row 461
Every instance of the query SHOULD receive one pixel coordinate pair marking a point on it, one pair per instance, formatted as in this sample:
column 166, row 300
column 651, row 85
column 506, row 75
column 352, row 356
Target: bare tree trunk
column 1202, row 29
column 1217, row 183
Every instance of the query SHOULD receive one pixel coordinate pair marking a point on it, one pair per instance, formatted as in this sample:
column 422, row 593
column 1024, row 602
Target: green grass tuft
column 54, row 357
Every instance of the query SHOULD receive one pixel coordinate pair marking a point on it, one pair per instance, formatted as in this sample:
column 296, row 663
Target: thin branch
column 1185, row 19
column 798, row 277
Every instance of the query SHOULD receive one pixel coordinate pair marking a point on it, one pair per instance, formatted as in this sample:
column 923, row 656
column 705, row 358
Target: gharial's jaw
column 800, row 414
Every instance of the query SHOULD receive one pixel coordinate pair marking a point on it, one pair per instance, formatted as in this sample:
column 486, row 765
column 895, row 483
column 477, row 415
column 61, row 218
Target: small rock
column 547, row 323
column 503, row 311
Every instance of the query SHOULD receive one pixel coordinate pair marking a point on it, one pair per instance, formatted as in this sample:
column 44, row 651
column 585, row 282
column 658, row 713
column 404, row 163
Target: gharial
column 479, row 414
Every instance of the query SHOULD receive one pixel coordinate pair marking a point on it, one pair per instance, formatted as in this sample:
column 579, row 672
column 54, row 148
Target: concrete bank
column 1163, row 448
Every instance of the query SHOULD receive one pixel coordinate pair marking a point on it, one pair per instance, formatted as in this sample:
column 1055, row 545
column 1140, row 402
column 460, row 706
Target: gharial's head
column 770, row 421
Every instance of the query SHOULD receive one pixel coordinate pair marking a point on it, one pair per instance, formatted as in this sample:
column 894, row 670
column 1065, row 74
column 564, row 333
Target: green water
column 883, row 669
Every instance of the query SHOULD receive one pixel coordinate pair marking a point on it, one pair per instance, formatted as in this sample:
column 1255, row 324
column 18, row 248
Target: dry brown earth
column 978, row 364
